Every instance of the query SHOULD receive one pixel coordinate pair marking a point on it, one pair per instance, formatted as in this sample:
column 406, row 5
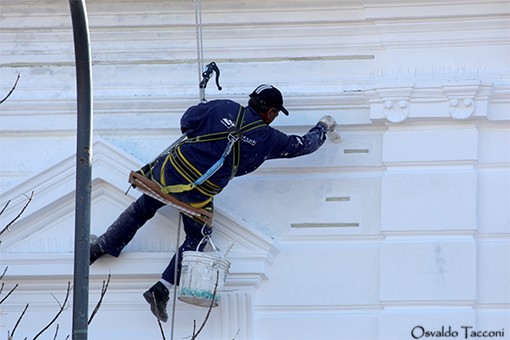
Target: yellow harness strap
column 188, row 171
column 200, row 205
column 169, row 189
column 178, row 188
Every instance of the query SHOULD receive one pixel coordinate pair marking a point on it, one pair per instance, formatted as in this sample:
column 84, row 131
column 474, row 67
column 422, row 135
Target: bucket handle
column 209, row 238
column 206, row 237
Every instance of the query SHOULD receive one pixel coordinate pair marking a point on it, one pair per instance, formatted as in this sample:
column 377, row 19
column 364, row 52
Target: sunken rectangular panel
column 338, row 199
column 351, row 151
column 324, row 225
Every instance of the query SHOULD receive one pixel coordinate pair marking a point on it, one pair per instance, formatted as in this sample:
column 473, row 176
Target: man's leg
column 122, row 231
column 195, row 232
column 158, row 295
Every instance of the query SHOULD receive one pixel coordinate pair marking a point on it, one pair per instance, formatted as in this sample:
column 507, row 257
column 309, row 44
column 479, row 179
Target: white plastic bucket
column 199, row 273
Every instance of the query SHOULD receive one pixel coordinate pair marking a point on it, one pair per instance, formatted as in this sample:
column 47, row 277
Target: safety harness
column 196, row 179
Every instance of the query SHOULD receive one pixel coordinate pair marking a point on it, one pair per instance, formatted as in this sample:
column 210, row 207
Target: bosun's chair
column 153, row 190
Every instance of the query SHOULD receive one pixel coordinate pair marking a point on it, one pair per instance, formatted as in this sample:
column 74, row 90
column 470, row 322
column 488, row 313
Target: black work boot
column 95, row 249
column 157, row 296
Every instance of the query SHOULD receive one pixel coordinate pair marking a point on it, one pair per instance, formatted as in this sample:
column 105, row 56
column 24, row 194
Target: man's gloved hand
column 328, row 122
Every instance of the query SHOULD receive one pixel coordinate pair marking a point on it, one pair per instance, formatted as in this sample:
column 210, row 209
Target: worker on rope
column 223, row 140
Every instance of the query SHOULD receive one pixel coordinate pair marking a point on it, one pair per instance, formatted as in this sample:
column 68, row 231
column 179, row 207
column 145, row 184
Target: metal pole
column 83, row 169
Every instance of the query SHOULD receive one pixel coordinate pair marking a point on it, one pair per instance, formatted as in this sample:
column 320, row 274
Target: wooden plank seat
column 153, row 190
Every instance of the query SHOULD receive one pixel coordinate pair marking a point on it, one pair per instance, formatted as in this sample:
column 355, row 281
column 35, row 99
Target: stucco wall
column 403, row 227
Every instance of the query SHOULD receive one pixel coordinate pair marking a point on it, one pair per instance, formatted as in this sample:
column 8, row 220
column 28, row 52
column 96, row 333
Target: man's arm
column 289, row 146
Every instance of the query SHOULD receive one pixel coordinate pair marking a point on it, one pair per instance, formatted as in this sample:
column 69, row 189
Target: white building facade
column 402, row 231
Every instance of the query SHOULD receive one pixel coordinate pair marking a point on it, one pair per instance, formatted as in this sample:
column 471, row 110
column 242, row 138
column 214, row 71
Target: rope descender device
column 206, row 75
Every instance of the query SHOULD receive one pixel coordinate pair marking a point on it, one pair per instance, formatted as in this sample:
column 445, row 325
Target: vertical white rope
column 200, row 46
column 200, row 65
column 177, row 244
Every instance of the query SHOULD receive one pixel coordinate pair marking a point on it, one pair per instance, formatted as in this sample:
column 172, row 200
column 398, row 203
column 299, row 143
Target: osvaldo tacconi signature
column 464, row 332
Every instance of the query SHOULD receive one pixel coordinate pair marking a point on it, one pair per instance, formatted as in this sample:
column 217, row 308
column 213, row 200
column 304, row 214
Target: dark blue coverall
column 255, row 146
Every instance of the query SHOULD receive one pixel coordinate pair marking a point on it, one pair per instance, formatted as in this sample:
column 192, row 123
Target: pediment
column 45, row 230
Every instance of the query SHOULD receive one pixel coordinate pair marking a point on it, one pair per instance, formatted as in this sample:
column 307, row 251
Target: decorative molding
column 462, row 97
column 237, row 315
column 461, row 109
column 391, row 102
column 458, row 100
column 396, row 113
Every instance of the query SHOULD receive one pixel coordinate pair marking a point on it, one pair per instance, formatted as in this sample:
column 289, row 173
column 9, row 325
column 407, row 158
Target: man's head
column 267, row 100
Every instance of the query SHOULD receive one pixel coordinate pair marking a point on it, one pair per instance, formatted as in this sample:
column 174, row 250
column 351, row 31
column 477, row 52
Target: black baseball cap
column 270, row 96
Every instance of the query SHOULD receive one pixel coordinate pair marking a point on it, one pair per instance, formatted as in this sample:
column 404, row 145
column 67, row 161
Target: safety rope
column 200, row 65
column 200, row 45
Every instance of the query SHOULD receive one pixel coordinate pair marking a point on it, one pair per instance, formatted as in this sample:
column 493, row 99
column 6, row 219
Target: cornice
column 285, row 30
column 391, row 101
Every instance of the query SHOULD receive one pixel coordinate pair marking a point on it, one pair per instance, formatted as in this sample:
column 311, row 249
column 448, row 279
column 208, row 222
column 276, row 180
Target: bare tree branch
column 3, row 274
column 10, row 292
column 12, row 90
column 62, row 308
column 17, row 322
column 56, row 332
column 194, row 328
column 5, row 207
column 19, row 215
column 159, row 322
column 103, row 293
column 210, row 308
column 235, row 336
